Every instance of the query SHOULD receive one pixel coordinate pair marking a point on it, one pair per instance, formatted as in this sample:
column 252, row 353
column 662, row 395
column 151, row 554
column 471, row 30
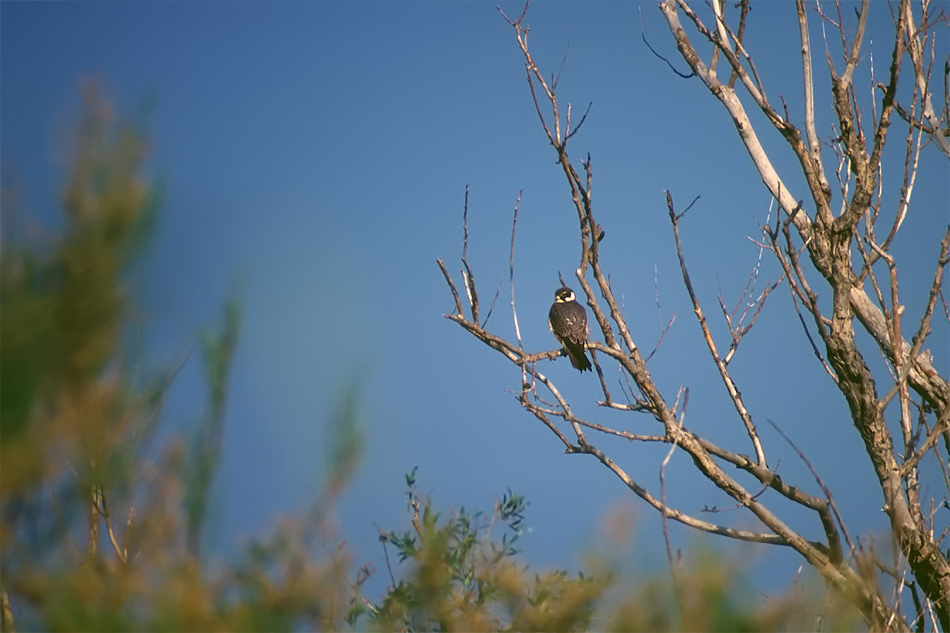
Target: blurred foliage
column 710, row 594
column 102, row 531
column 462, row 579
column 217, row 352
column 345, row 436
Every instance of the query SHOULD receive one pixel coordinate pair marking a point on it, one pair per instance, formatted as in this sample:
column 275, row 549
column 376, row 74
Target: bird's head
column 563, row 295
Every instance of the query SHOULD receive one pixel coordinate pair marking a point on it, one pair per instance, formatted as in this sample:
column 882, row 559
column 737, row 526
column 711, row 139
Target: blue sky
column 314, row 156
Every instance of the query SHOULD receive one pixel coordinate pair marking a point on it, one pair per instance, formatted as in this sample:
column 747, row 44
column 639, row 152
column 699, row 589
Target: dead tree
column 829, row 241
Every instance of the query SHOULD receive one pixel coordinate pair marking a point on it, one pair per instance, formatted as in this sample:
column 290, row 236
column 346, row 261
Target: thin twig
column 467, row 274
column 643, row 36
column 681, row 598
column 707, row 335
column 511, row 269
column 830, row 531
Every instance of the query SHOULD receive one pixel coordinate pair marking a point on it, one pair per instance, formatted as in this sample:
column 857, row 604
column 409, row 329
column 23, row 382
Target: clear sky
column 314, row 155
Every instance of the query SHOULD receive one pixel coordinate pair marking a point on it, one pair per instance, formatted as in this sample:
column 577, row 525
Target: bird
column 568, row 320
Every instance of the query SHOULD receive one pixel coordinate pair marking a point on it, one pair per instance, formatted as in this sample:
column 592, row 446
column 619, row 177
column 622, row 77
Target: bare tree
column 835, row 241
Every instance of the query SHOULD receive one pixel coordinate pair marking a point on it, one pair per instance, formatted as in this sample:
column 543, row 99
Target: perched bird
column 568, row 321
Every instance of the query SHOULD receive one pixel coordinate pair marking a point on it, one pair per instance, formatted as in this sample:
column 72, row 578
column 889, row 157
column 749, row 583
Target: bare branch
column 676, row 515
column 916, row 45
column 467, row 274
column 455, row 294
column 814, row 145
